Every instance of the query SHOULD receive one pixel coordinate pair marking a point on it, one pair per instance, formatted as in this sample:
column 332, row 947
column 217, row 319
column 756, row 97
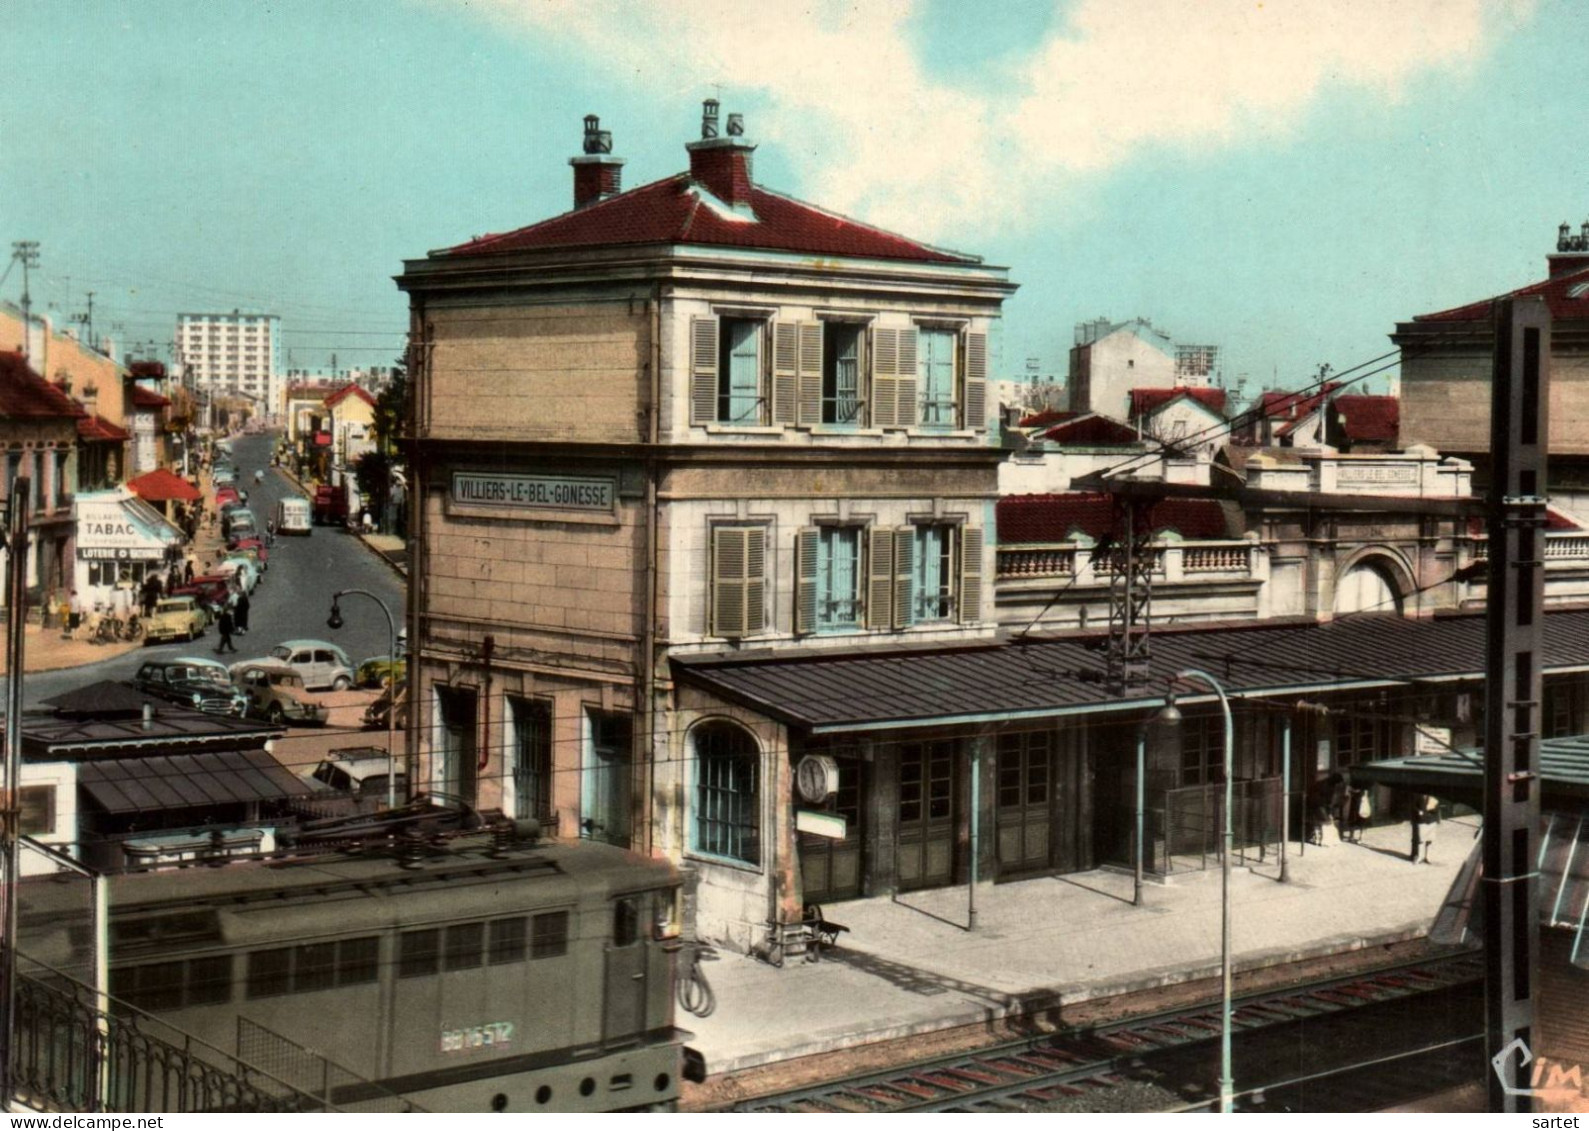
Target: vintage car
column 203, row 684
column 246, row 569
column 212, row 591
column 250, row 547
column 321, row 664
column 362, row 775
column 230, row 496
column 224, row 474
column 276, row 693
column 330, row 506
column 375, row 715
column 235, row 519
column 175, row 618
column 375, row 671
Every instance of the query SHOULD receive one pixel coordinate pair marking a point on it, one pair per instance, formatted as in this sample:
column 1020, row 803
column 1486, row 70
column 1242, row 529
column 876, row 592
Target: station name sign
column 556, row 492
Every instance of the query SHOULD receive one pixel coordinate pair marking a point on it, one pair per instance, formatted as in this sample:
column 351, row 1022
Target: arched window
column 1367, row 587
column 725, row 823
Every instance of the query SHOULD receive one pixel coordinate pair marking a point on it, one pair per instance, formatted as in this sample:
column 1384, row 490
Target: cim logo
column 1551, row 1080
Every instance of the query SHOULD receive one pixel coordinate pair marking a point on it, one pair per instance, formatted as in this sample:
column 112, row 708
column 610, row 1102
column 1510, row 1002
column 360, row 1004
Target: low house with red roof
column 1363, row 423
column 1186, row 419
column 39, row 430
column 351, row 424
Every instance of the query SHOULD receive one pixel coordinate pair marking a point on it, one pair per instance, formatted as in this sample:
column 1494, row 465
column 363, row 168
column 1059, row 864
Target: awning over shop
column 187, row 781
column 161, row 485
column 116, row 525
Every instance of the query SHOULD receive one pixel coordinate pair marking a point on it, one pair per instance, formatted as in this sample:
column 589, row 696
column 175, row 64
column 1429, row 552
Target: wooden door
column 1024, row 781
column 929, row 781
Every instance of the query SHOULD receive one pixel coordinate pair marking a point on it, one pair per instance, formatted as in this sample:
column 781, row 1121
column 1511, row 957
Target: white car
column 321, row 664
column 247, row 571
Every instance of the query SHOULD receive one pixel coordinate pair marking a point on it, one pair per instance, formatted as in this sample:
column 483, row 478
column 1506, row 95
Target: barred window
column 507, row 942
column 269, row 972
column 725, row 793
column 358, row 961
column 418, row 953
column 465, row 945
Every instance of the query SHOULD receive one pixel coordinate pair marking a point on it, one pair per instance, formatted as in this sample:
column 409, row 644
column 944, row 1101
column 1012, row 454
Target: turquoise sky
column 1287, row 182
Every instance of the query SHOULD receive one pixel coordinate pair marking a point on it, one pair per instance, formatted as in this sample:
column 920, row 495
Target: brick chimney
column 722, row 165
column 1572, row 251
column 597, row 174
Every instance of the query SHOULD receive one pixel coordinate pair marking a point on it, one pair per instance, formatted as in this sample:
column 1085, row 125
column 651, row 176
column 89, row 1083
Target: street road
column 291, row 602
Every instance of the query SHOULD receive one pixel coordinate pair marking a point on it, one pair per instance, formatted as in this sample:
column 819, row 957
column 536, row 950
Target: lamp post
column 1169, row 714
column 334, row 621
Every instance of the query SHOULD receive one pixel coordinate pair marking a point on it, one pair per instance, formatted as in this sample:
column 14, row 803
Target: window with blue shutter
column 935, row 375
column 838, row 577
column 739, row 372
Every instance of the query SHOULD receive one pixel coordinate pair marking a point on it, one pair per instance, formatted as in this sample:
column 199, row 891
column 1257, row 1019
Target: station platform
column 908, row 965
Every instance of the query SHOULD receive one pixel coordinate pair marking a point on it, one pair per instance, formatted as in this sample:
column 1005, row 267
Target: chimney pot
column 597, row 174
column 723, row 164
column 709, row 119
column 736, row 125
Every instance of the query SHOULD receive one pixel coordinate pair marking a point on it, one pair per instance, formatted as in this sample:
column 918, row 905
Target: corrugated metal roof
column 858, row 690
column 187, row 781
column 1459, row 774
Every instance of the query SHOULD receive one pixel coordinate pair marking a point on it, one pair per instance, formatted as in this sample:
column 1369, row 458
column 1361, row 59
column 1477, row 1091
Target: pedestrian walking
column 187, row 570
column 152, row 591
column 225, row 627
column 1425, row 815
column 240, row 613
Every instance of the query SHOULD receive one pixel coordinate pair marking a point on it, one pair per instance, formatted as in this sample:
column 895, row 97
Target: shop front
column 121, row 540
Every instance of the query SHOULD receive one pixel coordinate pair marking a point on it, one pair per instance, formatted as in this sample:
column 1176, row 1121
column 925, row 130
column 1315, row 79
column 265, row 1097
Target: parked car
column 375, row 713
column 321, row 664
column 203, row 684
column 249, row 546
column 330, row 506
column 223, row 474
column 235, row 519
column 276, row 693
column 175, row 618
column 377, row 670
column 294, row 516
column 230, row 496
column 244, row 567
column 212, row 591
column 362, row 774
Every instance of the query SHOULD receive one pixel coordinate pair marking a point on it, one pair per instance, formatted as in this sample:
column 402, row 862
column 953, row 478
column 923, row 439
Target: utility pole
column 10, row 797
column 1519, row 441
column 26, row 252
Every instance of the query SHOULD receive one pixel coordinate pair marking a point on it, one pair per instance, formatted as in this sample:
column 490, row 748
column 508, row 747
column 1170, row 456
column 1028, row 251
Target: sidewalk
column 908, row 967
column 45, row 650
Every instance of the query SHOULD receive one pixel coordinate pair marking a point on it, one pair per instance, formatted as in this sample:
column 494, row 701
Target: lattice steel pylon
column 1131, row 564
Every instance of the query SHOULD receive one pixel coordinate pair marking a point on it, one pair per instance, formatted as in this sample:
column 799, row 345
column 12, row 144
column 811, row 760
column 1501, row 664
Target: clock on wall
column 816, row 778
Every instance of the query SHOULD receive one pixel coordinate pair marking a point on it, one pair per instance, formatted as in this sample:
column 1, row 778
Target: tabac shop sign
column 555, row 492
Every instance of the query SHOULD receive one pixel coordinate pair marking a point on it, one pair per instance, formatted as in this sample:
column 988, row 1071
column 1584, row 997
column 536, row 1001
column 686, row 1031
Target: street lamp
column 1170, row 715
column 334, row 622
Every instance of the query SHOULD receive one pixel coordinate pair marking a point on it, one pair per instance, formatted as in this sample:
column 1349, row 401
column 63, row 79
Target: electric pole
column 26, row 252
column 1519, row 441
column 10, row 813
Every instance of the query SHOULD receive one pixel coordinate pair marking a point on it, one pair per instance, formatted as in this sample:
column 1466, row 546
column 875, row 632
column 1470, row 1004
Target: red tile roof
column 1091, row 428
column 346, row 391
column 147, row 398
column 1365, row 418
column 1051, row 518
column 160, row 484
column 24, row 393
column 1144, row 401
column 1567, row 296
column 1292, row 406
column 673, row 211
column 96, row 429
column 1046, row 416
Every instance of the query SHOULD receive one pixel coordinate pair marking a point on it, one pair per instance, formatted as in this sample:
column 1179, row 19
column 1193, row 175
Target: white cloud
column 877, row 136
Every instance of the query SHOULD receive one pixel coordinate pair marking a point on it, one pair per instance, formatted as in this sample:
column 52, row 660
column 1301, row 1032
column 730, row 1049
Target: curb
column 393, row 566
column 1038, row 1002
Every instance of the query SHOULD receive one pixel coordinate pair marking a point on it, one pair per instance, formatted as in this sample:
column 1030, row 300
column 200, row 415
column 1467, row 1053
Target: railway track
column 1036, row 1074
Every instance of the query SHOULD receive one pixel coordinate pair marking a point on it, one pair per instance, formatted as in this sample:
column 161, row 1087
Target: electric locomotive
column 468, row 972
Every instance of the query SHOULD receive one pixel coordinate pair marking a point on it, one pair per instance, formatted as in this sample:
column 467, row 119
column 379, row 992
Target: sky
column 1285, row 179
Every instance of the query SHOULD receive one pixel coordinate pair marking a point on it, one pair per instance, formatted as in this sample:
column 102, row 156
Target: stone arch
column 1373, row 579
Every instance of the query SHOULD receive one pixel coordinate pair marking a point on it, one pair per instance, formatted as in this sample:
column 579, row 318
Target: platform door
column 929, row 781
column 830, row 868
column 1024, row 781
column 624, row 1011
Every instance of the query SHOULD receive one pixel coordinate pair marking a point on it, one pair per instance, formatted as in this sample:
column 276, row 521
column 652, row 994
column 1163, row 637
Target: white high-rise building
column 236, row 351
